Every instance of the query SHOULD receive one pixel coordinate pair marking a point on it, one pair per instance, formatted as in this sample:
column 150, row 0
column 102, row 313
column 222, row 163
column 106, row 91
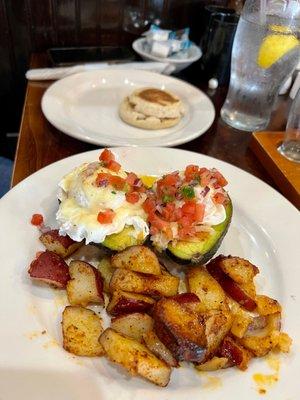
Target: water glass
column 290, row 147
column 265, row 51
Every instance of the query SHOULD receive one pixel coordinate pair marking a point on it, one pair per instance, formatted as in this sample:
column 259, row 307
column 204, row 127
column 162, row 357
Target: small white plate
column 86, row 105
column 179, row 63
column 33, row 364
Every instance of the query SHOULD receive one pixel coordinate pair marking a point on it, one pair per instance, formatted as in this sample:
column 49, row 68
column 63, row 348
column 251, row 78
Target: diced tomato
column 131, row 178
column 186, row 221
column 189, row 207
column 205, row 178
column 106, row 156
column 103, row 179
column 132, row 197
column 191, row 172
column 202, row 170
column 177, row 214
column 158, row 222
column 199, row 212
column 168, row 211
column 117, row 182
column 220, row 179
column 114, row 166
column 170, row 179
column 106, row 217
column 149, row 206
column 37, row 219
column 219, row 198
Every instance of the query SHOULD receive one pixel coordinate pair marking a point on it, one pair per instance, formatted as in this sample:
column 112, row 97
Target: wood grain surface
column 285, row 173
column 40, row 144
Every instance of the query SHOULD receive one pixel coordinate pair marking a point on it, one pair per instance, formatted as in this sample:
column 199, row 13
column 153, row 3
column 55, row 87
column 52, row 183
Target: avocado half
column 122, row 240
column 203, row 249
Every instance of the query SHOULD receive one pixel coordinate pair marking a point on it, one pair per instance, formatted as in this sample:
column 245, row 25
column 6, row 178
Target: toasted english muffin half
column 132, row 117
column 157, row 103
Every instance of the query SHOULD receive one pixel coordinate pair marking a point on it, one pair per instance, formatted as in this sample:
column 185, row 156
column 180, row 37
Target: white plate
column 264, row 229
column 86, row 105
column 179, row 63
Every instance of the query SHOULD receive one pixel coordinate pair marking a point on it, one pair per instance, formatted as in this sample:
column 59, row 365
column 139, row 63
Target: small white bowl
column 194, row 53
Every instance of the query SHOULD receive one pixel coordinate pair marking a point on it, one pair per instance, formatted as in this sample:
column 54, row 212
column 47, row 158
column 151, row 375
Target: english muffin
column 151, row 108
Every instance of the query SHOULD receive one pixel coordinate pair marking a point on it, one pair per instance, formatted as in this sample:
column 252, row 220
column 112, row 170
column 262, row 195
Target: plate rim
column 86, row 138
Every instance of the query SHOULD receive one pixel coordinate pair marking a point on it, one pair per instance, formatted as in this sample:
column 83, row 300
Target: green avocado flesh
column 122, row 240
column 202, row 249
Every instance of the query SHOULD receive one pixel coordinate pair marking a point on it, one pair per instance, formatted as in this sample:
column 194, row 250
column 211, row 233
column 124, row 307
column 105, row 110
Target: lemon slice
column 274, row 47
column 148, row 180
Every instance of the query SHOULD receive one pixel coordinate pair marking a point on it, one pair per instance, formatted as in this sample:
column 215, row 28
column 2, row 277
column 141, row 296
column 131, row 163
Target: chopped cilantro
column 113, row 192
column 167, row 198
column 188, row 192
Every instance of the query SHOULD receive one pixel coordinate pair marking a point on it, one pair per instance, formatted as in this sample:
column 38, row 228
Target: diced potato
column 50, row 268
column 81, row 329
column 213, row 364
column 135, row 357
column 210, row 293
column 136, row 282
column 266, row 305
column 137, row 258
column 86, row 284
column 106, row 270
column 261, row 345
column 159, row 349
column 236, row 354
column 64, row 246
column 238, row 292
column 180, row 329
column 133, row 325
column 124, row 303
column 240, row 324
column 188, row 300
column 262, row 341
column 249, row 288
column 217, row 325
column 240, row 270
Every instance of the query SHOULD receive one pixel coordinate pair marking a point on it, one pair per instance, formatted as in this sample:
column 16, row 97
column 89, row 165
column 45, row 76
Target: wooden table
column 41, row 144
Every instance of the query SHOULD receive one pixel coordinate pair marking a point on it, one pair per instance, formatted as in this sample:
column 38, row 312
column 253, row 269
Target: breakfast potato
column 213, row 364
column 261, row 341
column 135, row 357
column 124, row 303
column 136, row 282
column 188, row 300
column 266, row 305
column 132, row 325
column 231, row 287
column 85, row 286
column 137, row 258
column 81, row 329
column 180, row 329
column 209, row 291
column 159, row 349
column 235, row 353
column 217, row 325
column 64, row 246
column 106, row 271
column 238, row 269
column 50, row 268
column 240, row 324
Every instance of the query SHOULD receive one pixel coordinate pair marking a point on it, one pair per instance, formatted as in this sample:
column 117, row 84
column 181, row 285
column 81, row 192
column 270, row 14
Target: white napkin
column 61, row 72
